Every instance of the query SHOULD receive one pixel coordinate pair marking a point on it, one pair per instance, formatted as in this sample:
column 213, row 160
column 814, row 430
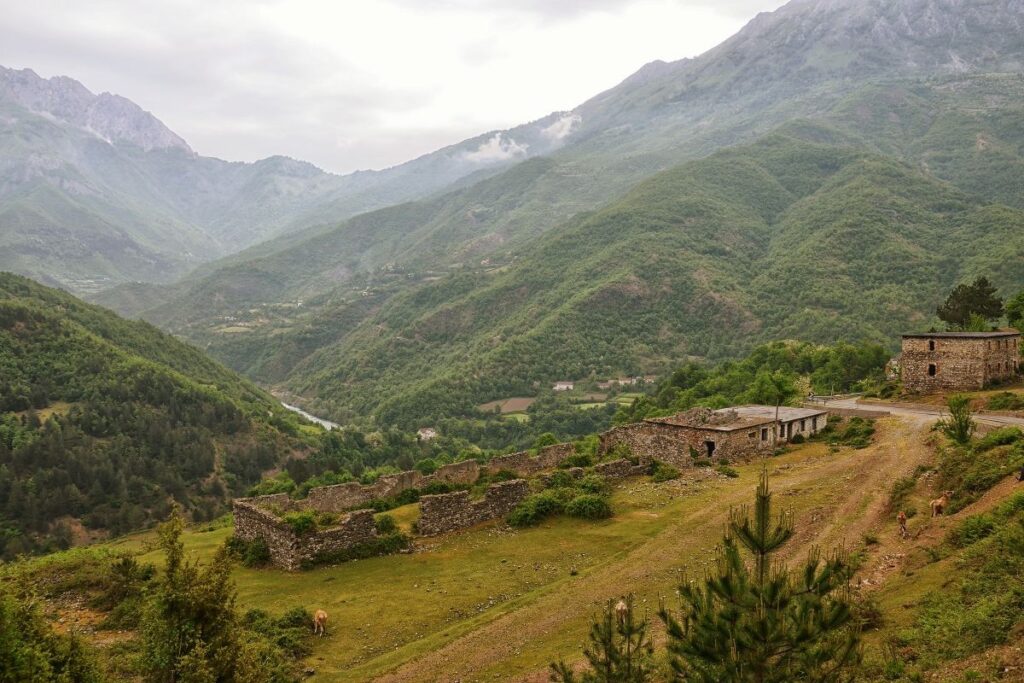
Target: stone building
column 729, row 434
column 958, row 361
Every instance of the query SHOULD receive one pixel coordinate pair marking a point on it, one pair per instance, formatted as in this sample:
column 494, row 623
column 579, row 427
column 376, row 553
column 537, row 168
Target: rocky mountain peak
column 110, row 117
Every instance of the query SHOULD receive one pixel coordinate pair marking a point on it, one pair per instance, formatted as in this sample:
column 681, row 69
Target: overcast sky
column 353, row 84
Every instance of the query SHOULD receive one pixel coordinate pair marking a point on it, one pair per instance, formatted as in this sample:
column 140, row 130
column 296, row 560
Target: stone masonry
column 451, row 511
column 289, row 550
column 958, row 361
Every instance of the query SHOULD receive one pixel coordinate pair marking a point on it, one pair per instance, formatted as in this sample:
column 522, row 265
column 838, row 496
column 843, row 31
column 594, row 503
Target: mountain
column 95, row 191
column 439, row 297
column 105, row 423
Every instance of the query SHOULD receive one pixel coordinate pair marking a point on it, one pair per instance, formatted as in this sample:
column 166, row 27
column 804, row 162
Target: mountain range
column 823, row 174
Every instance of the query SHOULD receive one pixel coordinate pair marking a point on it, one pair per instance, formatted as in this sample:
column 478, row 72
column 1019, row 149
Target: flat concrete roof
column 742, row 422
column 962, row 335
column 786, row 414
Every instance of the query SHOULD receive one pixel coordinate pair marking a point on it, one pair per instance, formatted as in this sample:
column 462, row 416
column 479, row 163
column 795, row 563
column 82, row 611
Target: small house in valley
column 958, row 361
column 564, row 386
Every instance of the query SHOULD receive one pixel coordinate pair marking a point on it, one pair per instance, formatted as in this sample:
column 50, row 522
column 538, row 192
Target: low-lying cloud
column 562, row 127
column 498, row 148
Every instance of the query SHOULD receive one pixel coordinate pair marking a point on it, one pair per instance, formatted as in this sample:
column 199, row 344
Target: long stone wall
column 289, row 550
column 676, row 445
column 451, row 511
column 524, row 463
column 353, row 494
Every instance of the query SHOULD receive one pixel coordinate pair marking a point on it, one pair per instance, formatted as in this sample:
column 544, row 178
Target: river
column 327, row 424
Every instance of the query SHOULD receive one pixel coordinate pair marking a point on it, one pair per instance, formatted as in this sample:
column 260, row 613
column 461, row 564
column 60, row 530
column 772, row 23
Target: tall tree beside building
column 973, row 305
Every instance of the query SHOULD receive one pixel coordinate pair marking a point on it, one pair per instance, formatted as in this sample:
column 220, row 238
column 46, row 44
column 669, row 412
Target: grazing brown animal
column 320, row 623
column 939, row 504
column 902, row 519
column 620, row 611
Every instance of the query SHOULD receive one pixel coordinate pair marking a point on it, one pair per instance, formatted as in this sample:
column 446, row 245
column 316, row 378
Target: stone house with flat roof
column 737, row 433
column 958, row 361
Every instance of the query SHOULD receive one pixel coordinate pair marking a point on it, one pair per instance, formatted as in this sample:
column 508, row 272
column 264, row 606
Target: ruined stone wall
column 289, row 550
column 620, row 469
column 451, row 511
column 340, row 497
column 960, row 364
column 672, row 444
column 525, row 464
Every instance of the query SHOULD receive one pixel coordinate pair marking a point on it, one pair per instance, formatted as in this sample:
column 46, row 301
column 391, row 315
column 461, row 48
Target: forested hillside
column 105, row 424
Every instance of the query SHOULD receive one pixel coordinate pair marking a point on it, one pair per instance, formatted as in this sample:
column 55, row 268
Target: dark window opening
column 932, row 370
column 931, row 345
column 764, row 434
column 803, row 425
column 814, row 424
column 710, row 446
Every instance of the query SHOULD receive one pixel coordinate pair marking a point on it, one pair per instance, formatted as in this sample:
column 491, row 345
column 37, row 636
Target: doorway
column 710, row 447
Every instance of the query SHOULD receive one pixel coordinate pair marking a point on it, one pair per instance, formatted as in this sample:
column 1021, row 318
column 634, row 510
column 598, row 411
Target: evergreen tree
column 1015, row 310
column 764, row 624
column 620, row 650
column 959, row 426
column 977, row 300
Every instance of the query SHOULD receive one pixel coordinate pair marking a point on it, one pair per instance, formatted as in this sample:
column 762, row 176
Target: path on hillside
column 916, row 410
column 836, row 498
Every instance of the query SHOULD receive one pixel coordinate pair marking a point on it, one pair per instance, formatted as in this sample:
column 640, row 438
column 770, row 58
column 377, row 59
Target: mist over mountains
column 378, row 292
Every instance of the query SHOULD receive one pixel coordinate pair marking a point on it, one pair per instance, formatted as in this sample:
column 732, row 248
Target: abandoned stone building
column 728, row 434
column 958, row 361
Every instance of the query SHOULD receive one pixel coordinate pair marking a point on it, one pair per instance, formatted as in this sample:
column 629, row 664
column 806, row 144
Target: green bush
column 589, row 506
column 797, row 439
column 301, row 522
column 502, row 475
column 857, row 432
column 535, row 509
column 703, row 462
column 972, row 530
column 663, row 472
column 1006, row 400
column 1003, row 436
column 560, row 479
column 426, row 466
column 901, row 490
column 594, row 483
column 385, row 525
column 576, row 460
column 727, row 471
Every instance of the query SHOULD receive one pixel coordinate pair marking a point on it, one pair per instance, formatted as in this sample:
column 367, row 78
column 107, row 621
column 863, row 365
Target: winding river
column 327, row 424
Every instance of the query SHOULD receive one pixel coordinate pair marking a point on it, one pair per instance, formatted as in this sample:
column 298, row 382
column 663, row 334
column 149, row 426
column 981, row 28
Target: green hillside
column 106, row 423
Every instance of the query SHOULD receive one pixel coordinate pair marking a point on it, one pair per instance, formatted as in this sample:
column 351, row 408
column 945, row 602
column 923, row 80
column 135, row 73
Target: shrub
column 960, row 426
column 1006, row 401
column 594, row 483
column 385, row 525
column 727, row 471
column 972, row 530
column 703, row 462
column 663, row 472
column 426, row 466
column 301, row 522
column 560, row 479
column 797, row 439
column 503, row 475
column 621, row 451
column 856, row 433
column 589, row 506
column 535, row 509
column 576, row 460
column 1003, row 436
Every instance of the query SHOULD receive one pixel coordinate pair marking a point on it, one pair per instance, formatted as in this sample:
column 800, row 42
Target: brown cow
column 939, row 504
column 320, row 623
column 901, row 518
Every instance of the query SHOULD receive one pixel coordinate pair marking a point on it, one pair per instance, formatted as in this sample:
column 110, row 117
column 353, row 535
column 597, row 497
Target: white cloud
column 495, row 149
column 351, row 85
column 562, row 127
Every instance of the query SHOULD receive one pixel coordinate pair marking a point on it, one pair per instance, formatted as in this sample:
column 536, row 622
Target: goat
column 939, row 504
column 320, row 623
column 901, row 518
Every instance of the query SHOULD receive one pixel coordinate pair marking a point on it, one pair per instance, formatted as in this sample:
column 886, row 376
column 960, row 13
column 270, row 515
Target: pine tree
column 620, row 650
column 763, row 623
column 974, row 302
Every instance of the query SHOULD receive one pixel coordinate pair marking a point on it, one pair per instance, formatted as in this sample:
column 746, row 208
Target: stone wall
column 353, row 494
column 289, row 550
column 620, row 469
column 525, row 464
column 947, row 363
column 675, row 444
column 451, row 511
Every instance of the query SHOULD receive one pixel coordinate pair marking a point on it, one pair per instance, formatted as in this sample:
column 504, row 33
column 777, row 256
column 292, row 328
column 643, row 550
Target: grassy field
column 496, row 604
